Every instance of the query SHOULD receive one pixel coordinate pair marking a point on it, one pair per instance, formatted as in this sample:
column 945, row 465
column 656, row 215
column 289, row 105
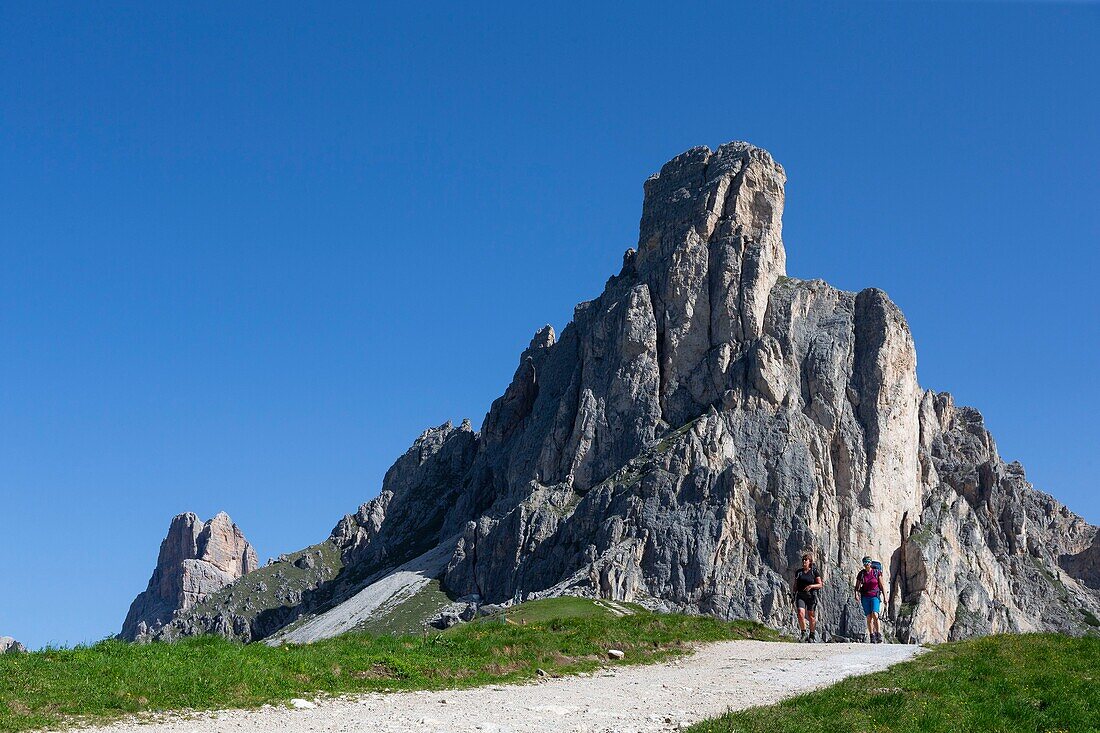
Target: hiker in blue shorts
column 870, row 592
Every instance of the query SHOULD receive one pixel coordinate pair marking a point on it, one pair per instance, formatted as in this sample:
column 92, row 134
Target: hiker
column 807, row 581
column 870, row 592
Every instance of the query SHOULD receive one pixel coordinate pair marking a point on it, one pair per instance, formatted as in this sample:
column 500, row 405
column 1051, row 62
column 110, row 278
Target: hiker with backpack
column 807, row 581
column 870, row 592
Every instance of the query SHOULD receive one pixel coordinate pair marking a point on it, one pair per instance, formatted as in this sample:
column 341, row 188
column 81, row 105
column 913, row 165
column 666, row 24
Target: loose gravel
column 664, row 697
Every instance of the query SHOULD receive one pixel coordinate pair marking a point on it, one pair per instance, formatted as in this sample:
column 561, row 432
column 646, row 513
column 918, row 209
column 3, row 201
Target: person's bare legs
column 802, row 620
column 873, row 626
column 813, row 623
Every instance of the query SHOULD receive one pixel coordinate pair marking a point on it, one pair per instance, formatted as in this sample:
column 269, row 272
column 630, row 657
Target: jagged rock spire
column 704, row 421
column 196, row 559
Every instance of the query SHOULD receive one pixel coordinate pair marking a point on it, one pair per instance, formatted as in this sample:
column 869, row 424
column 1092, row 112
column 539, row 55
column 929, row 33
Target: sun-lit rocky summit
column 8, row 645
column 688, row 435
column 196, row 559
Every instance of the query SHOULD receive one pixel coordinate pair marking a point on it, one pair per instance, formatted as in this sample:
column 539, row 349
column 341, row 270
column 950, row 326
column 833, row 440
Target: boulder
column 8, row 645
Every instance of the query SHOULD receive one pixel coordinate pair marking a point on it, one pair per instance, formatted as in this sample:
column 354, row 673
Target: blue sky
column 249, row 251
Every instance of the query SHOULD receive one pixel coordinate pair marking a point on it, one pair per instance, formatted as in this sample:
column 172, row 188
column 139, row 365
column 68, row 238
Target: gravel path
column 665, row 697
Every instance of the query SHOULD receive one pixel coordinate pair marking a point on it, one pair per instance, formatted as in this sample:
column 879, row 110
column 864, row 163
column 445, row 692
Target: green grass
column 409, row 616
column 111, row 679
column 1009, row 684
column 263, row 587
column 671, row 438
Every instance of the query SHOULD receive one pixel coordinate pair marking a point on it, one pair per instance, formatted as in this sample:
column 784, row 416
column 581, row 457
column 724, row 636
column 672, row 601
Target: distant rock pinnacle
column 196, row 559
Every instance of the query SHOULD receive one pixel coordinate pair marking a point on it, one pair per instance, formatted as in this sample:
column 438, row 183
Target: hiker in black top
column 807, row 581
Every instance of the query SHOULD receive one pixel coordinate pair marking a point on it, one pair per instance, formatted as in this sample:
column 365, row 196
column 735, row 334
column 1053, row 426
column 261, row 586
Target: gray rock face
column 8, row 645
column 707, row 419
column 196, row 560
column 405, row 519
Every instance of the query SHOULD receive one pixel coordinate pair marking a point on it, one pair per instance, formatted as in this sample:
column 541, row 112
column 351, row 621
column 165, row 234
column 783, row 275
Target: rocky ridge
column 698, row 426
column 8, row 645
column 196, row 560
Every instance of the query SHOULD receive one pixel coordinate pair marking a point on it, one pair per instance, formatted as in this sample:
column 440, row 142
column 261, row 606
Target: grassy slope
column 112, row 679
column 271, row 586
column 409, row 616
column 1011, row 683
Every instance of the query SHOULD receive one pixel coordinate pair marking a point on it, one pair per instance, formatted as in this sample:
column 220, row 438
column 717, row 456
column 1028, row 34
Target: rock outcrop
column 8, row 645
column 196, row 560
column 697, row 427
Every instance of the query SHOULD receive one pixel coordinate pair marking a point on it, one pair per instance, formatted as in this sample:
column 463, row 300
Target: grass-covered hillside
column 112, row 679
column 271, row 594
column 1002, row 684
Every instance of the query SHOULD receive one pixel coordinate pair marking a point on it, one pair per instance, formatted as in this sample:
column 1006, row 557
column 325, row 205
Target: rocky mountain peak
column 544, row 338
column 196, row 559
column 696, row 427
column 8, row 645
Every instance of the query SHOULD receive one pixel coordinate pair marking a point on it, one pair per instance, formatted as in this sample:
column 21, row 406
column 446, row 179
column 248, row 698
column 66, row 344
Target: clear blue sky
column 249, row 251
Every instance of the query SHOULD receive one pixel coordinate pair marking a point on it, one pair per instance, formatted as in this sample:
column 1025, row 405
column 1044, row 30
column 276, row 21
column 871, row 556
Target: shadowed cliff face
column 707, row 419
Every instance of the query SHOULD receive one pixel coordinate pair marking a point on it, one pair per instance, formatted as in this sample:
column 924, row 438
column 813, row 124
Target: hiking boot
column 803, row 637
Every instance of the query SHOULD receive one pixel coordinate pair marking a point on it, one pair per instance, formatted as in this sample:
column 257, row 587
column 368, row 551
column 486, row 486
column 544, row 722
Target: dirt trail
column 665, row 697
